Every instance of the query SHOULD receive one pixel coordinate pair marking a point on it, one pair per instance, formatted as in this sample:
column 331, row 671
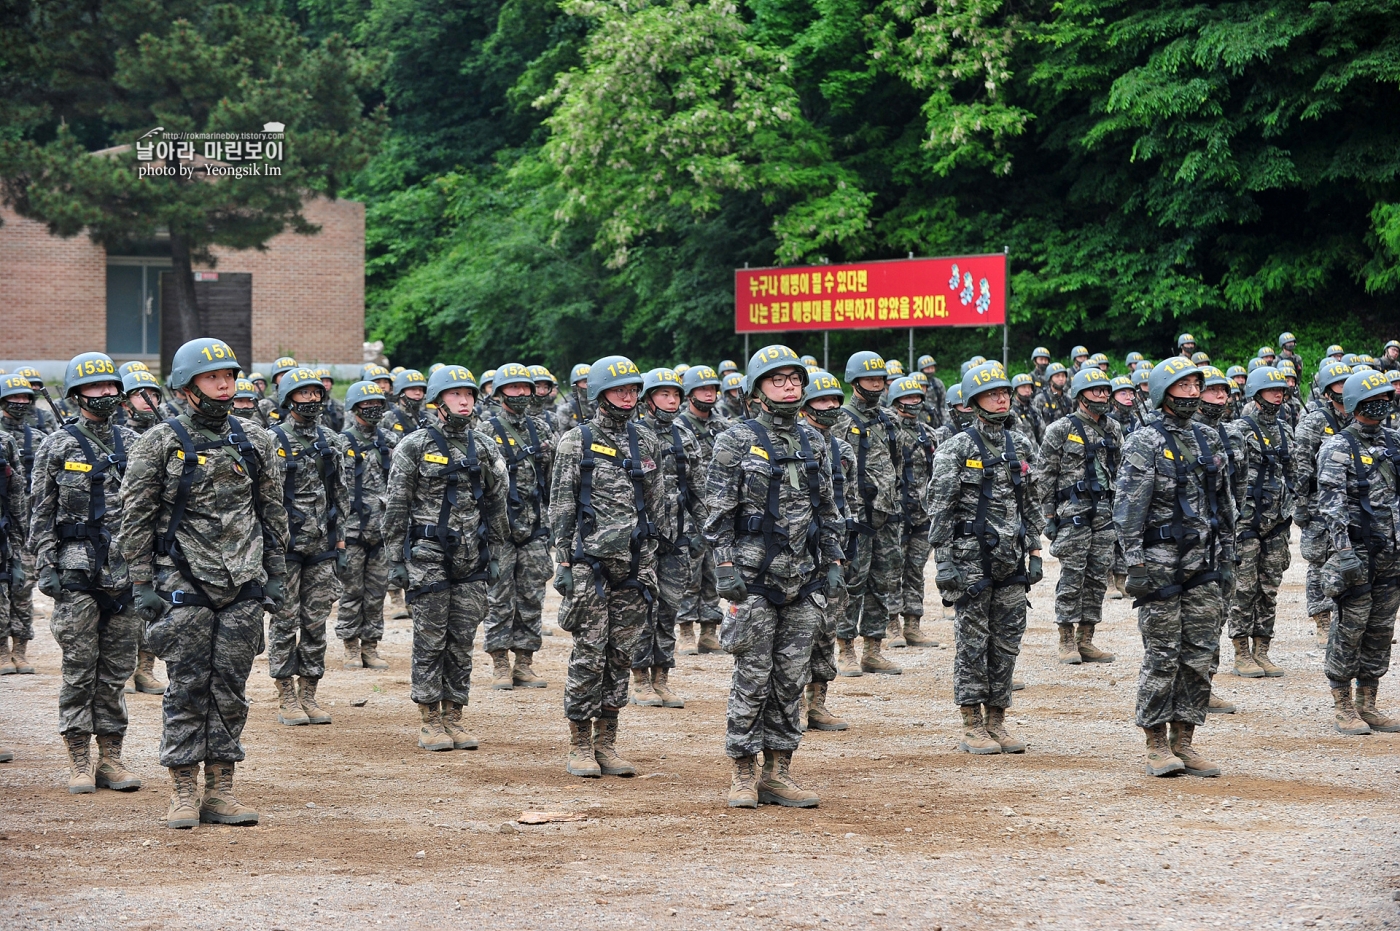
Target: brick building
column 60, row 297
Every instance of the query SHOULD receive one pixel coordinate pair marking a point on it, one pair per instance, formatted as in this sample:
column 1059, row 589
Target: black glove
column 1035, row 570
column 950, row 579
column 398, row 574
column 564, row 581
column 835, row 581
column 148, row 602
column 1138, row 583
column 697, row 548
column 493, row 569
column 17, row 575
column 1227, row 576
column 1350, row 566
column 275, row 590
column 342, row 560
column 49, row 581
column 1052, row 528
column 730, row 584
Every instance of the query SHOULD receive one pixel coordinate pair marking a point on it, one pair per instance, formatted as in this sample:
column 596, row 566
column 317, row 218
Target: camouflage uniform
column 1078, row 493
column 333, row 416
column 447, row 567
column 843, row 480
column 733, row 408
column 516, row 598
column 28, row 435
column 1316, row 428
column 614, row 571
column 1051, row 405
column 1180, row 632
column 702, row 568
column 398, row 422
column 1265, row 506
column 1026, row 418
column 679, row 521
column 230, row 541
column 571, row 410
column 269, row 413
column 991, row 611
column 916, row 452
column 1359, row 645
column 365, row 577
column 934, row 401
column 14, row 524
column 771, row 633
column 875, row 571
column 313, row 463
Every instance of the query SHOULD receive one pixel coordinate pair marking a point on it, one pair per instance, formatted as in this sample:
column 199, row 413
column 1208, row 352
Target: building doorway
column 133, row 308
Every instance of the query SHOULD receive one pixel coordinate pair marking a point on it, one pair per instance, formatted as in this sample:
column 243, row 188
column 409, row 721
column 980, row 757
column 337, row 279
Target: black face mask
column 455, row 423
column 782, row 408
column 244, row 413
column 665, row 417
column 961, row 418
column 995, row 419
column 1098, row 407
column 141, row 417
column 211, row 408
column 102, row 407
column 311, row 410
column 826, row 417
column 1268, row 408
column 519, row 404
column 1185, row 408
column 370, row 413
column 412, row 405
column 613, row 413
column 868, row 396
column 1335, row 397
column 1213, row 412
column 18, row 410
column 1375, row 408
column 703, row 407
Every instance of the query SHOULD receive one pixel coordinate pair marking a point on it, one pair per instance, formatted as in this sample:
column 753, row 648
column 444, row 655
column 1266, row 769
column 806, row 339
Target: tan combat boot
column 452, row 726
column 1366, row 710
column 605, row 747
column 145, row 678
column 431, row 734
column 996, row 729
column 1245, row 664
column 1324, row 627
column 847, row 663
column 522, row 676
column 661, row 682
column 369, row 655
column 685, row 639
column 776, row 785
column 219, row 805
column 353, row 657
column 642, row 692
column 184, row 801
column 7, row 663
column 1084, row 637
column 1119, row 589
column 1261, row 656
column 975, row 738
column 111, row 772
column 581, row 761
column 1196, row 765
column 17, row 657
column 1068, row 651
column 873, row 661
column 80, row 780
column 1344, row 713
column 913, row 635
column 501, row 679
column 395, row 602
column 709, row 640
column 894, row 634
column 1017, row 684
column 1160, row 759
column 743, row 785
column 6, row 755
column 306, row 696
column 289, row 710
column 818, row 717
column 1217, row 704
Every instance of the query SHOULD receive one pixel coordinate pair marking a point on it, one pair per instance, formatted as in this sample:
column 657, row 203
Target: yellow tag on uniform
column 604, row 450
column 77, row 466
column 974, row 463
column 758, row 451
column 350, row 453
column 1267, row 441
column 1168, row 454
column 1366, row 460
column 180, row 453
column 1075, row 438
column 856, row 430
column 1327, row 430
column 434, row 457
column 398, row 427
column 280, row 451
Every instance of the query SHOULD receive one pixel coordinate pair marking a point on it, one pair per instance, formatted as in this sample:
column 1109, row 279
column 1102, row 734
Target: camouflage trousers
column 515, row 601
column 297, row 633
column 1257, row 578
column 361, row 612
column 444, row 628
column 21, row 613
column 657, row 647
column 700, row 601
column 874, row 580
column 1180, row 643
column 1086, row 561
column 824, row 639
column 987, row 631
column 609, row 628
column 770, row 669
column 913, row 559
column 1358, row 646
column 1316, row 550
column 99, row 655
column 208, row 653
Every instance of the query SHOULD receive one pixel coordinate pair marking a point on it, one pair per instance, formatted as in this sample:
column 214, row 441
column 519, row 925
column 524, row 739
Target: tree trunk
column 182, row 278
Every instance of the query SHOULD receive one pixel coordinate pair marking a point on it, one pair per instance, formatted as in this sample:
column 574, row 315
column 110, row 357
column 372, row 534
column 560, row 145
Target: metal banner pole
column 746, row 350
column 1006, row 327
column 911, row 351
column 826, row 350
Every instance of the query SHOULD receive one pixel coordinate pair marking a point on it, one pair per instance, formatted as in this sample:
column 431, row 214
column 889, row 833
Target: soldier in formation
column 359, row 623
column 21, row 418
column 701, row 417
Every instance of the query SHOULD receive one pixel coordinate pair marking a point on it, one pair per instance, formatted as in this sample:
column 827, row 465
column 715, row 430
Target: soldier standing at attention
column 271, row 410
column 776, row 532
column 1358, row 501
column 142, row 400
column 407, row 413
column 14, row 528
column 1023, row 412
column 574, row 408
column 916, row 449
column 333, row 417
column 204, row 533
column 1316, row 427
column 1186, row 346
column 359, row 622
column 444, row 518
column 77, row 512
column 1051, row 403
column 733, row 405
column 21, row 418
column 877, row 560
column 515, row 600
column 986, row 538
column 1176, row 517
column 679, row 524
column 701, row 384
column 1040, row 362
column 314, row 495
column 604, row 502
column 1074, row 472
column 937, row 392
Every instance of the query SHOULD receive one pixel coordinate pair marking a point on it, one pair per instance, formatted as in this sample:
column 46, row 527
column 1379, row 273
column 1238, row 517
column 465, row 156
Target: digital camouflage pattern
column 572, row 408
column 368, row 454
column 701, row 599
column 916, row 451
column 1314, row 429
column 934, row 401
column 14, row 522
column 988, row 627
column 1180, row 634
column 834, row 610
column 28, row 434
column 875, row 576
column 1265, row 504
column 1051, row 405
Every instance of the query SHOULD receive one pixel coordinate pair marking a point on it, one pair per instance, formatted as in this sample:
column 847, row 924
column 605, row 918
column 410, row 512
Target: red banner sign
column 964, row 290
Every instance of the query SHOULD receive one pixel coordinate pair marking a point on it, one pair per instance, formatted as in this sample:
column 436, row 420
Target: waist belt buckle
column 177, row 597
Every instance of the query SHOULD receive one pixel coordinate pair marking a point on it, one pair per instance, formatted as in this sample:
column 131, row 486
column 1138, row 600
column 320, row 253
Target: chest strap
column 987, row 537
column 768, row 526
column 441, row 532
column 327, row 460
column 1176, row 532
column 539, row 495
column 1275, row 462
column 587, row 516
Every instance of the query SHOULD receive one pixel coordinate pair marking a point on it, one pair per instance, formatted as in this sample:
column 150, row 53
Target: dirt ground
column 362, row 829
